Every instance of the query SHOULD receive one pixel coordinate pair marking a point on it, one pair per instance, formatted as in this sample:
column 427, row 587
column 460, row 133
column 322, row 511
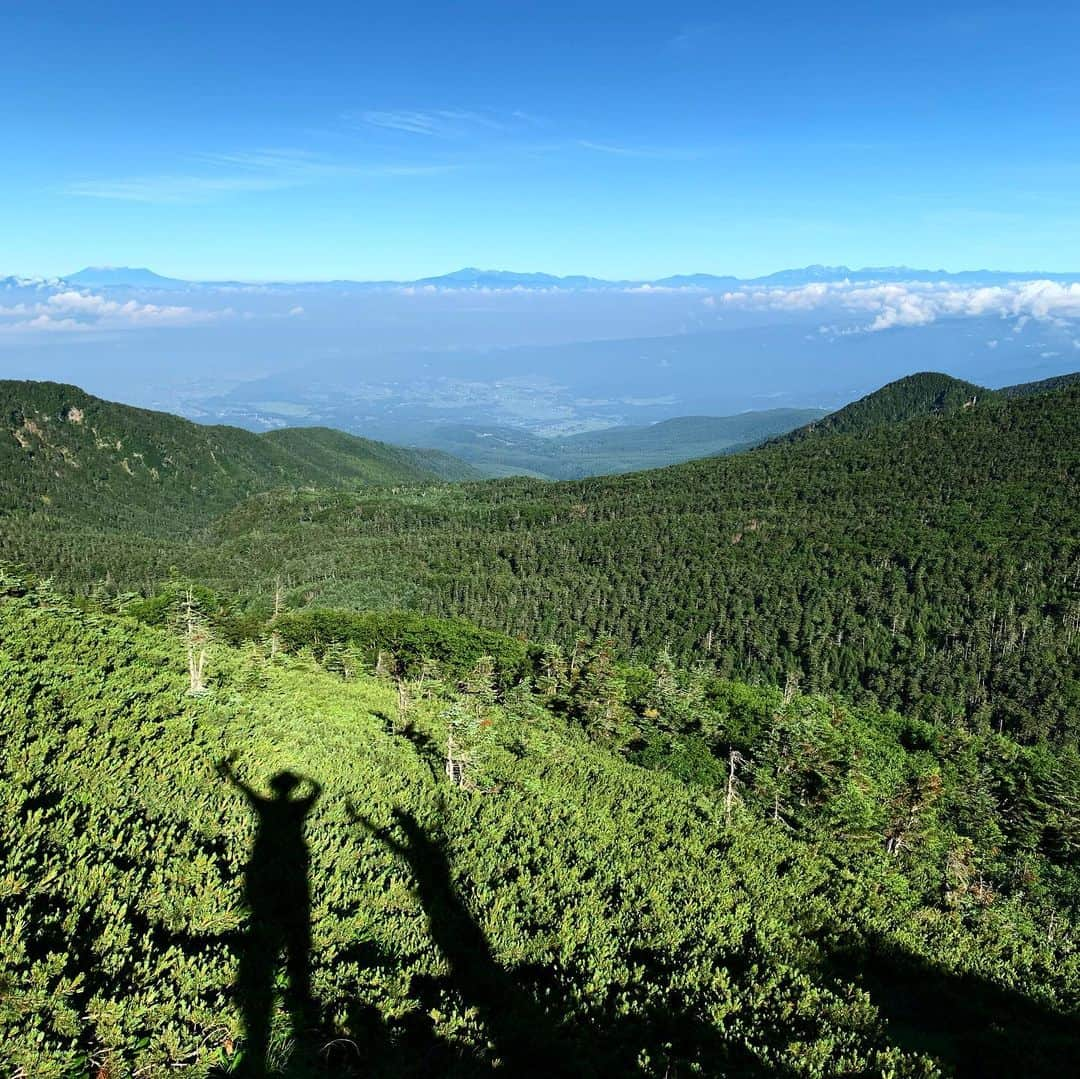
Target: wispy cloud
column 437, row 123
column 224, row 174
column 693, row 35
column 287, row 165
column 668, row 153
column 168, row 189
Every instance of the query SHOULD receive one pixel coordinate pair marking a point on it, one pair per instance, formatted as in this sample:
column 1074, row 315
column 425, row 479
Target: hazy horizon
column 316, row 191
column 883, row 265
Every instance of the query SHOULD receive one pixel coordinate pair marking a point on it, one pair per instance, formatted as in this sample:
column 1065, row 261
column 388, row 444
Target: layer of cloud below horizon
column 861, row 308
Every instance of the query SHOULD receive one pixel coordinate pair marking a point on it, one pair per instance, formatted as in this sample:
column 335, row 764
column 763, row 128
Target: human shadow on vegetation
column 529, row 1039
column 525, row 1038
column 277, row 891
column 973, row 1027
column 977, row 1029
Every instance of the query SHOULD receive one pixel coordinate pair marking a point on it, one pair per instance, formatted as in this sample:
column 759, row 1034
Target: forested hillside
column 924, row 394
column 627, row 870
column 931, row 566
column 1046, row 385
column 64, row 452
column 760, row 765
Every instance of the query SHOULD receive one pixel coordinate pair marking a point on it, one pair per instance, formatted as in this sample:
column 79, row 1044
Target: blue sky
column 285, row 141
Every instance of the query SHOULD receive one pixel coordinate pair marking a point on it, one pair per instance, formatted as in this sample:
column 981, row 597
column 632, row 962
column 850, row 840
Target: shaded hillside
column 924, row 394
column 67, row 453
column 510, row 451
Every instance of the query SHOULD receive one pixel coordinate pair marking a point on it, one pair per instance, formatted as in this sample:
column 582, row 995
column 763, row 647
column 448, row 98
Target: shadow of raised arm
column 381, row 834
column 314, row 794
column 226, row 771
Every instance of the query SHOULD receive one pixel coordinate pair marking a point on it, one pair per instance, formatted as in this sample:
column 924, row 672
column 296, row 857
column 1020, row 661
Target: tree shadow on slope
column 974, row 1028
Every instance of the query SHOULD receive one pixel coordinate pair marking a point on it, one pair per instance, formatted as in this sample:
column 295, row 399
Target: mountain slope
column 1046, row 385
column 570, row 914
column 929, row 564
column 687, row 437
column 322, row 451
column 67, row 453
column 923, row 394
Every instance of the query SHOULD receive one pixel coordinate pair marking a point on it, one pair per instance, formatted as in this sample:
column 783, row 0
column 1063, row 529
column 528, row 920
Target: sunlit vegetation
column 760, row 765
column 653, row 871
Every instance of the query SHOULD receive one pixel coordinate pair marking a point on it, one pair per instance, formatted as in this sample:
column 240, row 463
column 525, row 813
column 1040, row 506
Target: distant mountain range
column 471, row 278
column 123, row 277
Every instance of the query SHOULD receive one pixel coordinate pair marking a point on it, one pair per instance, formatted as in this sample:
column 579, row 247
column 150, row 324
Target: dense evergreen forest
column 766, row 764
column 67, row 454
column 930, row 565
column 927, row 393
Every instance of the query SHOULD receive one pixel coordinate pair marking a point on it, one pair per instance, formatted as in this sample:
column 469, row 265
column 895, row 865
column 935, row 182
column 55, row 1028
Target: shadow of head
column 284, row 783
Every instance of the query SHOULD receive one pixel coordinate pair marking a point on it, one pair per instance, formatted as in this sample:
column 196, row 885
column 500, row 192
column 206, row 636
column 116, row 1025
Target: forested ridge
column 1045, row 385
column 931, row 565
column 68, row 454
column 923, row 394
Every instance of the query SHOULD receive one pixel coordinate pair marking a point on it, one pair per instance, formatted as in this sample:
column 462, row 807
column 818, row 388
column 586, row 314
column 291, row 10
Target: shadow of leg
column 255, row 985
column 298, row 995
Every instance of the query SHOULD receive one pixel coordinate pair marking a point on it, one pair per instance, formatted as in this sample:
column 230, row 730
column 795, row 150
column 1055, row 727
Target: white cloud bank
column 74, row 311
column 916, row 303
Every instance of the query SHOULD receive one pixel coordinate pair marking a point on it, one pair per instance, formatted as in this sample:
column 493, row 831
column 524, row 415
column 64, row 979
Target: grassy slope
column 588, row 905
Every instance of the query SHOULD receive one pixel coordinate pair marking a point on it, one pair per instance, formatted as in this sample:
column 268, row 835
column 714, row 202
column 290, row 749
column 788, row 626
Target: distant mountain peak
column 123, row 277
